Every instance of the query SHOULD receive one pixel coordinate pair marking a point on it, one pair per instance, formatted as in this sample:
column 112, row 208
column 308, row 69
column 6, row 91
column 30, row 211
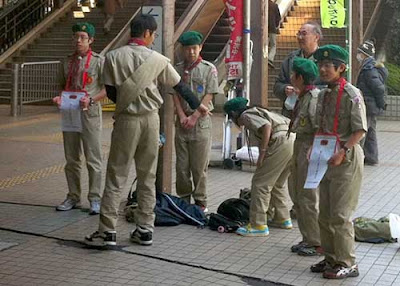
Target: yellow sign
column 333, row 13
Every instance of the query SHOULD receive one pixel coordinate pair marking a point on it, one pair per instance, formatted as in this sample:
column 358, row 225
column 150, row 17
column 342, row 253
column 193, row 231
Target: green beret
column 235, row 104
column 305, row 67
column 84, row 27
column 331, row 52
column 191, row 38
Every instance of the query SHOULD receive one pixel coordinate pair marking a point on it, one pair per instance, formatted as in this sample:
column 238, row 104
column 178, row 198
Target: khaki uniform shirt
column 94, row 82
column 304, row 122
column 203, row 79
column 120, row 65
column 255, row 118
column 352, row 114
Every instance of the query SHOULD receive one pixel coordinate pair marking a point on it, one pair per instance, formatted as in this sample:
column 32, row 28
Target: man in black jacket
column 371, row 81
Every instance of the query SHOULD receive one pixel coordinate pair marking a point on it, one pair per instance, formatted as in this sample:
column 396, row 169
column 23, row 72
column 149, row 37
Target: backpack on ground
column 372, row 230
column 231, row 214
column 235, row 209
column 222, row 224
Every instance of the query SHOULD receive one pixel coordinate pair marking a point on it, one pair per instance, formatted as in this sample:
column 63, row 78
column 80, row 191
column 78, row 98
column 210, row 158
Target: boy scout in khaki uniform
column 341, row 184
column 193, row 133
column 82, row 71
column 275, row 152
column 131, row 76
column 304, row 73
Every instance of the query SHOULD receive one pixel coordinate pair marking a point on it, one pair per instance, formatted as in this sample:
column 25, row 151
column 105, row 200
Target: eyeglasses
column 302, row 34
column 156, row 35
column 326, row 65
column 78, row 37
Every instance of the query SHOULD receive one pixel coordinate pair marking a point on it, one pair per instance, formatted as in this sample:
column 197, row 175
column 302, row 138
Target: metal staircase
column 56, row 42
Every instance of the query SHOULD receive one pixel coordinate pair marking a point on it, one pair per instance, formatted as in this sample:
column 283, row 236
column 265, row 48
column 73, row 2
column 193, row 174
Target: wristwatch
column 346, row 150
column 91, row 101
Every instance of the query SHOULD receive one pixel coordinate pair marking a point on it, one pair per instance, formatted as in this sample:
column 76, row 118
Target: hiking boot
column 286, row 224
column 341, row 272
column 68, row 205
column 296, row 247
column 97, row 239
column 310, row 251
column 94, row 208
column 320, row 267
column 142, row 236
column 260, row 230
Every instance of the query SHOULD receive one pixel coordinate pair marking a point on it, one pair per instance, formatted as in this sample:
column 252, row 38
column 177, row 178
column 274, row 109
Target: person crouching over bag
column 275, row 152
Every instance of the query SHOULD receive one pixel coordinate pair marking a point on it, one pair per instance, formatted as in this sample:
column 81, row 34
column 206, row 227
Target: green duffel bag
column 372, row 230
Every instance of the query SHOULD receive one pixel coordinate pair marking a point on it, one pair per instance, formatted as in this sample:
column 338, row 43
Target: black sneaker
column 320, row 267
column 142, row 236
column 97, row 239
column 341, row 272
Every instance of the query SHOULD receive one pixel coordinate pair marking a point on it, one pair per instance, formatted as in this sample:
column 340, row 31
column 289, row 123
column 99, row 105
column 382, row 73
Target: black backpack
column 223, row 224
column 231, row 214
column 235, row 209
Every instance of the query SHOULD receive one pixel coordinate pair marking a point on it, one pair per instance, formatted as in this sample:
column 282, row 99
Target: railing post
column 15, row 91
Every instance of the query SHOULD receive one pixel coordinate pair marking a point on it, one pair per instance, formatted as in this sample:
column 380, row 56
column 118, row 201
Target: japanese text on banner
column 234, row 53
column 333, row 13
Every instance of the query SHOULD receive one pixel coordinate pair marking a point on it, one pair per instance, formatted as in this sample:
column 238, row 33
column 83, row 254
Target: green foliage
column 393, row 81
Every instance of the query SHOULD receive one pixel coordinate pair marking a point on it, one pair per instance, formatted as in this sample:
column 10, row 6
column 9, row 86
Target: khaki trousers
column 305, row 200
column 90, row 140
column 192, row 156
column 134, row 137
column 339, row 192
column 269, row 181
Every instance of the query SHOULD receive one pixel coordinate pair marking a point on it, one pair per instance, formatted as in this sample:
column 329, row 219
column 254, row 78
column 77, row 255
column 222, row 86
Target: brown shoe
column 320, row 267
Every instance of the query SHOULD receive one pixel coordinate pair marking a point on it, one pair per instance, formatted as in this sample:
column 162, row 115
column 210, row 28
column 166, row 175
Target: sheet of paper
column 71, row 120
column 70, row 99
column 324, row 147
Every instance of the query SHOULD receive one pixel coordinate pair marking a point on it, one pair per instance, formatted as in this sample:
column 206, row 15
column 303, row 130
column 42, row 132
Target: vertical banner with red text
column 234, row 53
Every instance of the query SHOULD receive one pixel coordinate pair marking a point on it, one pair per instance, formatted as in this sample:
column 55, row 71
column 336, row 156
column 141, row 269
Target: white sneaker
column 68, row 205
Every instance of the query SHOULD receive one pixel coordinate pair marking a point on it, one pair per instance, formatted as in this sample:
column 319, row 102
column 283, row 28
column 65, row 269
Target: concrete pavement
column 39, row 246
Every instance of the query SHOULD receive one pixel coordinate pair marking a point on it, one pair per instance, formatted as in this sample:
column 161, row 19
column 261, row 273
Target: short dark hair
column 307, row 81
column 142, row 23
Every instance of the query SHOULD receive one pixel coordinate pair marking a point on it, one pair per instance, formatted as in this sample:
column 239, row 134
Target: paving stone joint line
column 77, row 243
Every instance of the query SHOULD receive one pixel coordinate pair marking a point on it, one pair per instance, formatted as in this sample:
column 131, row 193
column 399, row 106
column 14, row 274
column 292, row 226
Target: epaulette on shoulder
column 94, row 54
column 379, row 65
column 207, row 63
column 353, row 92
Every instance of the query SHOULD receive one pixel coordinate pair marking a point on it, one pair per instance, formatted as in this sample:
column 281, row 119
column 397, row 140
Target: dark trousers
column 371, row 141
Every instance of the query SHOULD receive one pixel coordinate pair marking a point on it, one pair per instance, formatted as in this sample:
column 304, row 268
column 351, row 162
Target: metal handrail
column 122, row 37
column 17, row 20
column 285, row 6
column 188, row 17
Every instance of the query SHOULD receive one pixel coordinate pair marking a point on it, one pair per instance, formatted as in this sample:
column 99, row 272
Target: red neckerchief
column 73, row 70
column 137, row 41
column 189, row 68
column 341, row 82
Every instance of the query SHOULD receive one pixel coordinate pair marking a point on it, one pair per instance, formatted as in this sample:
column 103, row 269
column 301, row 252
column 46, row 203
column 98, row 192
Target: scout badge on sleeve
column 324, row 146
column 71, row 120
